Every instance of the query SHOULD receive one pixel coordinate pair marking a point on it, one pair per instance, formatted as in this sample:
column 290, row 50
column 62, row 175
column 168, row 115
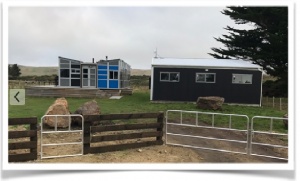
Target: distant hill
column 140, row 72
column 39, row 71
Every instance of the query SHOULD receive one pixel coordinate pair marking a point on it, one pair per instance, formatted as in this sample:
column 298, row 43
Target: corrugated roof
column 193, row 62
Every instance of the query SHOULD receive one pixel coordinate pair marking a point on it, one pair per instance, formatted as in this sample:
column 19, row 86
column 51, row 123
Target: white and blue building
column 104, row 74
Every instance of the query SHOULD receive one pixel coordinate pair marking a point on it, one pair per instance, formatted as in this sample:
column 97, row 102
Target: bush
column 277, row 88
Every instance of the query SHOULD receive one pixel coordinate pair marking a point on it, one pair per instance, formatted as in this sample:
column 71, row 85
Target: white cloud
column 38, row 35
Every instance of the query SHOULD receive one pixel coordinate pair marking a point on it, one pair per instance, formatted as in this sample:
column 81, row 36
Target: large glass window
column 64, row 72
column 205, row 77
column 75, row 66
column 169, row 76
column 75, row 75
column 75, row 82
column 75, row 71
column 164, row 76
column 113, row 75
column 69, row 72
column 174, row 77
column 242, row 78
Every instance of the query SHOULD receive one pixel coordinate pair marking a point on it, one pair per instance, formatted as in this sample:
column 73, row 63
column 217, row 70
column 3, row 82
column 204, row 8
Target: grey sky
column 38, row 35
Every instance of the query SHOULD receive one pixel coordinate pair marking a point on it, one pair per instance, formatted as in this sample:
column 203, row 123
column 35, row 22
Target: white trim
column 204, row 62
column 119, row 73
column 208, row 67
column 107, row 81
column 58, row 72
column 151, row 84
column 261, row 84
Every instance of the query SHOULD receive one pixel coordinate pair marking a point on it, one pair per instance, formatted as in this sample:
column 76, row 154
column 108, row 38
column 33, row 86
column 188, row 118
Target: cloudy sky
column 38, row 35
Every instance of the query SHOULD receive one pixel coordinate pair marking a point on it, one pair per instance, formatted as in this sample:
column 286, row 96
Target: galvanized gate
column 213, row 127
column 249, row 138
column 55, row 129
column 269, row 132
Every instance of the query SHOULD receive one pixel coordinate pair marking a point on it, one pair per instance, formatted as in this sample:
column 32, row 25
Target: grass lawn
column 140, row 102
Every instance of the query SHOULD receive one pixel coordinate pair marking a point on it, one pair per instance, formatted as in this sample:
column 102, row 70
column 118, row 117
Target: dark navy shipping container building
column 238, row 81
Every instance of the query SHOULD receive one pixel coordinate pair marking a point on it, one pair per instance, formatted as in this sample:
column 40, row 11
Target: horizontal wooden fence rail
column 30, row 145
column 142, row 128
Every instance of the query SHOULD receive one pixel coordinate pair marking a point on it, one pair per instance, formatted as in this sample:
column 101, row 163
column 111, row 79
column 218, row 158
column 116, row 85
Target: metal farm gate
column 61, row 139
column 187, row 125
column 270, row 132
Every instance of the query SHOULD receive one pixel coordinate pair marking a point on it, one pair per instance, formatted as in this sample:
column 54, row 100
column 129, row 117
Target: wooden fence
column 141, row 131
column 17, row 145
column 21, row 84
column 275, row 102
column 92, row 134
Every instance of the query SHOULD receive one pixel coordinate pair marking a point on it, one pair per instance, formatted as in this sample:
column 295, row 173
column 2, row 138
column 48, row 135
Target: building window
column 64, row 72
column 164, row 76
column 75, row 82
column 169, row 76
column 242, row 78
column 75, row 71
column 77, row 66
column 75, row 75
column 113, row 75
column 205, row 77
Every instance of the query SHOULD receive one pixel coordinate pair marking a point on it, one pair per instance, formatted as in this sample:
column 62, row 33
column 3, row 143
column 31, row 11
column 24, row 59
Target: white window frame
column 205, row 77
column 114, row 77
column 242, row 82
column 169, row 76
column 76, row 71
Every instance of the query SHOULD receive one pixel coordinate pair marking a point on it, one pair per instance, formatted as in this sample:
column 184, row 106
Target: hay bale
column 59, row 107
column 210, row 102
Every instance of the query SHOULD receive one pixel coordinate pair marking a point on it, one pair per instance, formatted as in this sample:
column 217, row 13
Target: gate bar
column 211, row 127
column 280, row 158
column 209, row 138
column 208, row 127
column 57, row 144
column 270, row 133
column 204, row 148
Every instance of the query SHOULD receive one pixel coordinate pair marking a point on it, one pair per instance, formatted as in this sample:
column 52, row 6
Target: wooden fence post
column 86, row 136
column 33, row 126
column 280, row 104
column 160, row 119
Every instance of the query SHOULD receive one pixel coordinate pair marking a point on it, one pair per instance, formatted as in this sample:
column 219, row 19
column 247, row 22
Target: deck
column 56, row 91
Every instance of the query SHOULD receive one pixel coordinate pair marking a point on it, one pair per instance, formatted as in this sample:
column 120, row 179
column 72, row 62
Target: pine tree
column 266, row 44
column 14, row 71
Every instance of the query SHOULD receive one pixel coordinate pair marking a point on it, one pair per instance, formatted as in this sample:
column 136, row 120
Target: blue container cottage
column 104, row 74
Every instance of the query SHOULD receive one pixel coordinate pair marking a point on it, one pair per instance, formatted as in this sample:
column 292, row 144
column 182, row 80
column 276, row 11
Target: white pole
column 273, row 101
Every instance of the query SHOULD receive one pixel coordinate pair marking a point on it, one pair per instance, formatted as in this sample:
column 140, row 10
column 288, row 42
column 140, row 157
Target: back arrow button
column 16, row 96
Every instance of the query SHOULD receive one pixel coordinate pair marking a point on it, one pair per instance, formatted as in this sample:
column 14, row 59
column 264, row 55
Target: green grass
column 140, row 102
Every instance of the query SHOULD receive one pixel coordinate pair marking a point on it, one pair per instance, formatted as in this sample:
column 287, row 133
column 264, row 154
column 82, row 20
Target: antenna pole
column 155, row 53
